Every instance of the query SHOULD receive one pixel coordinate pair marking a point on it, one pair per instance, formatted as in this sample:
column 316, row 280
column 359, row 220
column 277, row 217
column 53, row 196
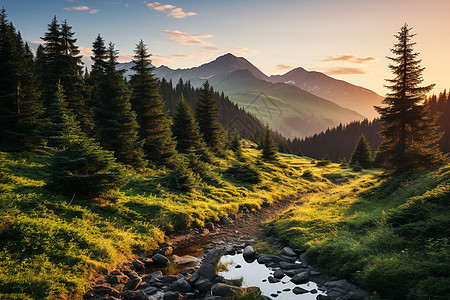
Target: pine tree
column 20, row 107
column 115, row 123
column 59, row 61
column 100, row 56
column 410, row 139
column 80, row 166
column 159, row 145
column 236, row 145
column 362, row 153
column 269, row 149
column 206, row 113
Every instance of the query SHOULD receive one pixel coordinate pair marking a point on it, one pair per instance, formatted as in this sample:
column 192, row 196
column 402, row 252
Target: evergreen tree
column 236, row 145
column 185, row 128
column 81, row 166
column 269, row 149
column 100, row 56
column 207, row 116
column 410, row 139
column 20, row 107
column 159, row 145
column 115, row 122
column 59, row 61
column 362, row 154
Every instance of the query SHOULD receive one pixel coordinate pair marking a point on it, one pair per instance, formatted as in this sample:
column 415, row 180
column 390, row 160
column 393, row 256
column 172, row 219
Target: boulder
column 150, row 290
column 117, row 279
column 148, row 262
column 139, row 265
column 264, row 259
column 181, row 285
column 209, row 226
column 298, row 290
column 232, row 217
column 168, row 279
column 133, row 275
column 134, row 295
column 203, row 285
column 208, row 268
column 166, row 251
column 172, row 295
column 160, row 260
column 300, row 278
column 133, row 284
column 187, row 271
column 102, row 291
column 156, row 274
column 292, row 273
column 278, row 274
column 184, row 260
column 272, row 279
column 225, row 220
column 248, row 253
column 288, row 265
column 288, row 251
column 225, row 290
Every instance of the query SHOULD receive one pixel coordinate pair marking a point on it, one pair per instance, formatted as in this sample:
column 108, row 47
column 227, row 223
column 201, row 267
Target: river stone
column 298, row 290
column 323, row 297
column 172, row 295
column 292, row 273
column 225, row 220
column 303, row 259
column 168, row 279
column 133, row 284
column 166, row 251
column 248, row 252
column 208, row 268
column 288, row 251
column 300, row 278
column 225, row 290
column 313, row 291
column 278, row 274
column 232, row 217
column 157, row 274
column 100, row 291
column 209, row 226
column 150, row 290
column 134, row 295
column 288, row 265
column 291, row 259
column 187, row 271
column 203, row 284
column 160, row 260
column 186, row 259
column 148, row 262
column 272, row 279
column 117, row 279
column 139, row 265
column 265, row 259
column 133, row 275
column 181, row 285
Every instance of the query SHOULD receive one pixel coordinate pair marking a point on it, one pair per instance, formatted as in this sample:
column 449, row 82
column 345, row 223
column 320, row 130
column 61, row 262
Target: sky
column 346, row 39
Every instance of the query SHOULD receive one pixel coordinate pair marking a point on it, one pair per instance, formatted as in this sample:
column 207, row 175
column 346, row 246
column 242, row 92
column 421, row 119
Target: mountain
column 340, row 92
column 288, row 109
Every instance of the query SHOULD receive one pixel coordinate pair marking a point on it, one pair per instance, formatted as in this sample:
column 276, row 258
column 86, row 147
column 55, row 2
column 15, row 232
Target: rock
column 139, row 265
column 208, row 268
column 286, row 290
column 291, row 259
column 156, row 274
column 314, row 273
column 298, row 290
column 300, row 278
column 274, row 295
column 288, row 251
column 272, row 279
column 166, row 251
column 225, row 220
column 148, row 262
column 303, row 259
column 359, row 294
column 322, row 297
column 232, row 217
column 100, row 291
column 225, row 290
column 171, row 295
column 117, row 279
column 264, row 259
column 187, row 271
column 209, row 226
column 186, row 259
column 292, row 273
column 133, row 284
column 299, row 251
column 133, row 275
column 181, row 285
column 238, row 266
column 278, row 274
column 313, row 291
column 165, row 245
column 203, row 285
column 288, row 265
column 160, row 260
column 248, row 253
column 112, row 273
column 150, row 290
column 168, row 279
column 134, row 295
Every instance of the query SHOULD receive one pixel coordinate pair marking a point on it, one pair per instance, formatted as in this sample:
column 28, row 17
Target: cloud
column 158, row 59
column 172, row 11
column 186, row 39
column 345, row 71
column 94, row 11
column 82, row 8
column 284, row 67
column 350, row 58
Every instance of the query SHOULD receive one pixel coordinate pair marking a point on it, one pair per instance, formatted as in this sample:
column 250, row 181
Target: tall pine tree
column 206, row 113
column 20, row 107
column 410, row 138
column 159, row 145
column 80, row 166
column 269, row 149
column 362, row 154
column 115, row 122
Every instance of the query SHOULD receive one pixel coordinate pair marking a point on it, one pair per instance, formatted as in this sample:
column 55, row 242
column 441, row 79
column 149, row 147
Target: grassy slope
column 390, row 236
column 51, row 245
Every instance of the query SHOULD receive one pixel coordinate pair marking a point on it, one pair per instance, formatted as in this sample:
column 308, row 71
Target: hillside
column 340, row 92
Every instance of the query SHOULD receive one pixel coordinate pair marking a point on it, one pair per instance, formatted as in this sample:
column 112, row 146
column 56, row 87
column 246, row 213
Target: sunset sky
column 347, row 39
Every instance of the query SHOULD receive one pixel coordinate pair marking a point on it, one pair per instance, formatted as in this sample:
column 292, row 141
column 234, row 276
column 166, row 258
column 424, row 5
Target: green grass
column 51, row 245
column 390, row 236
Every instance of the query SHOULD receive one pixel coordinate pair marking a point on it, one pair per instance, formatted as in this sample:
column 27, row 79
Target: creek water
column 255, row 274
